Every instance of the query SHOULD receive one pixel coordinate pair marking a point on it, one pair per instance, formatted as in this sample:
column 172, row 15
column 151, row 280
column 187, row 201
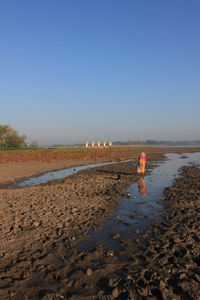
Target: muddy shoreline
column 41, row 226
column 18, row 171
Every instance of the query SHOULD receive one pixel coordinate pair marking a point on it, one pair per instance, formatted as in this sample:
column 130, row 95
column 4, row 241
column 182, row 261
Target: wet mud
column 41, row 227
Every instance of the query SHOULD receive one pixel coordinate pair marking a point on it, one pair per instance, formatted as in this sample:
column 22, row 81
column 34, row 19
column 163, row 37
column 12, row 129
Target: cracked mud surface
column 41, row 225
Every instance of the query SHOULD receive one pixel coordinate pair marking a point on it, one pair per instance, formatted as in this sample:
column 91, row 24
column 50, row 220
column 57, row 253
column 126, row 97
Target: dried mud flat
column 41, row 225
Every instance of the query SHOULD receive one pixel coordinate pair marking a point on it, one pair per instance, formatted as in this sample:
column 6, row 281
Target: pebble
column 70, row 284
column 162, row 285
column 36, row 224
column 116, row 236
column 111, row 253
column 111, row 282
column 144, row 291
column 115, row 292
column 89, row 272
column 182, row 276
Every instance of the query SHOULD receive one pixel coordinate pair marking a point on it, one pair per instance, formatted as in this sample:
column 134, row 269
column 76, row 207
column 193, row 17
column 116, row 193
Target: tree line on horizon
column 137, row 142
column 157, row 142
column 10, row 139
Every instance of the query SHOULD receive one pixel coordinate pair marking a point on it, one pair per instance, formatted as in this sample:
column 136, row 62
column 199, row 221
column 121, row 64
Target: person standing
column 141, row 163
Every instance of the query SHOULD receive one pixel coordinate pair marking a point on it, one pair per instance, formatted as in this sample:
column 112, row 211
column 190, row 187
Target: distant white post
column 86, row 144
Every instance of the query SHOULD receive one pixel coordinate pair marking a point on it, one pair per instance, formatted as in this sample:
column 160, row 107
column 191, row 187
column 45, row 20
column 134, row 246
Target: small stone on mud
column 36, row 224
column 144, row 291
column 183, row 276
column 162, row 285
column 89, row 272
column 115, row 292
column 116, row 236
column 70, row 284
column 100, row 294
column 111, row 282
column 111, row 253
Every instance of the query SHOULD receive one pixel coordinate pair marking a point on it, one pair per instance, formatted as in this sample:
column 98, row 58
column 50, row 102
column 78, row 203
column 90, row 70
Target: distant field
column 7, row 156
column 59, row 154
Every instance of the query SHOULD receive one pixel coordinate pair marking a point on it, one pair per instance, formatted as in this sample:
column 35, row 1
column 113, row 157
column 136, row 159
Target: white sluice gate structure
column 98, row 144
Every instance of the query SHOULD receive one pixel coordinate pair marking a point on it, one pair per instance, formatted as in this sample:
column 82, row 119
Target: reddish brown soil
column 60, row 154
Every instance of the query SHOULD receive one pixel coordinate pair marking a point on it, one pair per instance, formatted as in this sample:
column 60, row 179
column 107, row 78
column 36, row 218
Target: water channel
column 44, row 178
column 136, row 212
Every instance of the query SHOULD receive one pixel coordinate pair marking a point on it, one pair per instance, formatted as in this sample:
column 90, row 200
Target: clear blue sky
column 81, row 70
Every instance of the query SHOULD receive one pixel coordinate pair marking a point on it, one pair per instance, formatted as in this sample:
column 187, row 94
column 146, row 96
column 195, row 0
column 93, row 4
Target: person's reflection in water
column 141, row 187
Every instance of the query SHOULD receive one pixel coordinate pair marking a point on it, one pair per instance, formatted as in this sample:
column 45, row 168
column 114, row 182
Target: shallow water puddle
column 140, row 208
column 58, row 174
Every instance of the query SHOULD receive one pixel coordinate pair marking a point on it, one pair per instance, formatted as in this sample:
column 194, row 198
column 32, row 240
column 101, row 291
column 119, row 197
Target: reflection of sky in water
column 58, row 174
column 138, row 211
